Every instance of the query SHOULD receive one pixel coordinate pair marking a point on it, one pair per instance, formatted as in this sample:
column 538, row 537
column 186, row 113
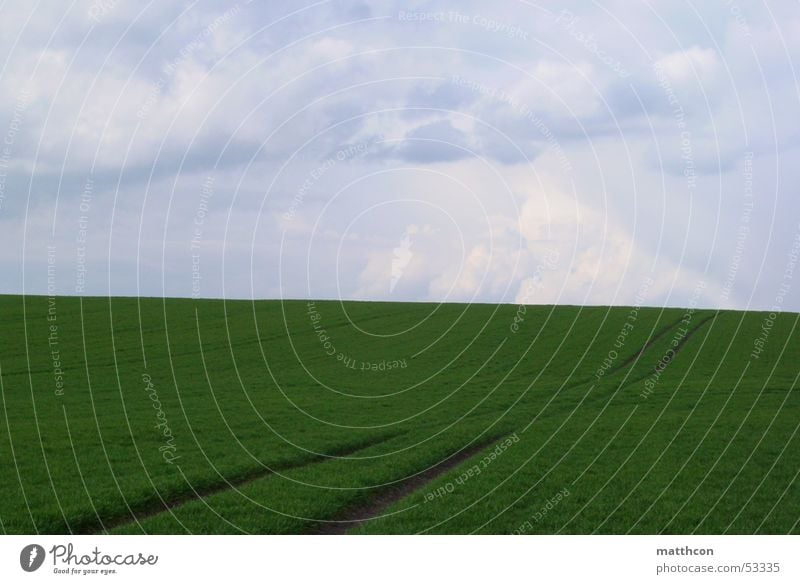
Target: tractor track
column 358, row 513
column 158, row 505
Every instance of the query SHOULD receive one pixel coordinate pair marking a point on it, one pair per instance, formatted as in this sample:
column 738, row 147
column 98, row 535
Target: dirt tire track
column 620, row 366
column 358, row 513
column 151, row 507
column 677, row 349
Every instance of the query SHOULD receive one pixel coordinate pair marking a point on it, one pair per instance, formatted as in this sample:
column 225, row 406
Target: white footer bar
column 400, row 559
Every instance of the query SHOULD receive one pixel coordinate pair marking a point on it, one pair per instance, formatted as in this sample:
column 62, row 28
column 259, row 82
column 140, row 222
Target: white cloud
column 565, row 152
column 690, row 65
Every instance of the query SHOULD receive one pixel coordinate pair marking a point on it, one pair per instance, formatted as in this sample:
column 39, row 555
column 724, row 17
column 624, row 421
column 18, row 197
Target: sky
column 574, row 152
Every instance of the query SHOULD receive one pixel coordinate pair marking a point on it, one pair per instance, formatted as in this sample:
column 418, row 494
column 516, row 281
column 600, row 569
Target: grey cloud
column 626, row 161
column 434, row 142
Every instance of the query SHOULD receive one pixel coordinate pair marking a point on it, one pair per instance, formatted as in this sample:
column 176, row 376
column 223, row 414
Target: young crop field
column 130, row 416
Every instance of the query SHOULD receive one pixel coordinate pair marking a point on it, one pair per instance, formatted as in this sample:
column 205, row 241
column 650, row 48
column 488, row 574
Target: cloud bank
column 416, row 151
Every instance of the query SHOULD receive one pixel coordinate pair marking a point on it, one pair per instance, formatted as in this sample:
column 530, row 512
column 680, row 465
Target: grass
column 268, row 433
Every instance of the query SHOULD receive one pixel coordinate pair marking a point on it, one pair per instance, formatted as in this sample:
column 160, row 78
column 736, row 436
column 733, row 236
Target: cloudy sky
column 577, row 152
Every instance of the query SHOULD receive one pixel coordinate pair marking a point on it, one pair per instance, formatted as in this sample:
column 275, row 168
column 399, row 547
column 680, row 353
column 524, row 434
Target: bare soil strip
column 650, row 342
column 623, row 364
column 154, row 507
column 677, row 349
column 357, row 514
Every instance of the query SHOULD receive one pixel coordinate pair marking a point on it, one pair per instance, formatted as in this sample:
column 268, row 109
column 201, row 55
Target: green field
column 130, row 415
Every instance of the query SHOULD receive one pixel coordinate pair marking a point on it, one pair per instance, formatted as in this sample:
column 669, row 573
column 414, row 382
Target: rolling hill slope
column 190, row 416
